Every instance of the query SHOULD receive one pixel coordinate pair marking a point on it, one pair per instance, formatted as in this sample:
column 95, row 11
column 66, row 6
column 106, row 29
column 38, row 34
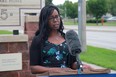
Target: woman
column 48, row 51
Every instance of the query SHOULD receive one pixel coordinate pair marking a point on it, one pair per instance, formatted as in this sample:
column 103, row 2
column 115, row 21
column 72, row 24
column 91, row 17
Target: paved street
column 94, row 28
column 102, row 39
column 99, row 36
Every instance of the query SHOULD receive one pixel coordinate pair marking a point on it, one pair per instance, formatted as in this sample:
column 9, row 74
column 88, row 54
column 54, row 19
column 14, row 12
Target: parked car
column 105, row 17
column 112, row 18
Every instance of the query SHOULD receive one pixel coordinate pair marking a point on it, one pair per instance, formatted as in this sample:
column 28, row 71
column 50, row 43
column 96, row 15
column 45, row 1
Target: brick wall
column 31, row 26
column 30, row 29
column 19, row 46
column 16, row 45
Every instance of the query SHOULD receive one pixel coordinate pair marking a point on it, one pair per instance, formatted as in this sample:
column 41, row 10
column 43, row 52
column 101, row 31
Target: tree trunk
column 96, row 21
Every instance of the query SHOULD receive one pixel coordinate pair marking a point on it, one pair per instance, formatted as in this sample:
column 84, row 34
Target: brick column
column 31, row 26
column 16, row 44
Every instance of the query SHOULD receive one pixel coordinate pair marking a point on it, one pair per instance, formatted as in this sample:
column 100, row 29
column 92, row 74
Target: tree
column 62, row 11
column 112, row 6
column 71, row 9
column 97, row 8
column 47, row 2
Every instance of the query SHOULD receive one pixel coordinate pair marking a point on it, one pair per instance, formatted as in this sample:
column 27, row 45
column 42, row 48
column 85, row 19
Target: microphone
column 73, row 42
column 74, row 46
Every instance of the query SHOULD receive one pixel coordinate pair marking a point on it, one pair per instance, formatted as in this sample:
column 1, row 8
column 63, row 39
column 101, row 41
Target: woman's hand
column 59, row 70
column 85, row 66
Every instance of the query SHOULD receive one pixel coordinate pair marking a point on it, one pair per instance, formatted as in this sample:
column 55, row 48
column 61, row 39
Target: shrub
column 94, row 21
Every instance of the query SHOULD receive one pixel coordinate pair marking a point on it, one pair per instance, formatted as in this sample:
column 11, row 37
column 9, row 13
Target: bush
column 94, row 21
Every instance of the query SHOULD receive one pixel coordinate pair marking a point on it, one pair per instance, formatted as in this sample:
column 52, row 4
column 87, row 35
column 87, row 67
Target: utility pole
column 82, row 23
column 65, row 12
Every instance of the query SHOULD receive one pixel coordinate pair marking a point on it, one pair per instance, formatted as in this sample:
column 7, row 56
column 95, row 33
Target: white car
column 112, row 18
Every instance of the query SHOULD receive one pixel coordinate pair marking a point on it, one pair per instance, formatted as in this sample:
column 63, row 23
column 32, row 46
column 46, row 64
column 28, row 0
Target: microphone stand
column 79, row 64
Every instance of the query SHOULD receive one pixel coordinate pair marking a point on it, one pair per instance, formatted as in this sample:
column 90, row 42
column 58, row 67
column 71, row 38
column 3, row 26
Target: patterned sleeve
column 35, row 54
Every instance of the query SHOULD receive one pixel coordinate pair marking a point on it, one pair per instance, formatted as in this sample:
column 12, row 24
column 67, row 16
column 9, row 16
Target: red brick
column 17, row 47
column 9, row 74
column 31, row 26
column 32, row 75
column 26, row 65
column 30, row 32
column 27, row 74
column 3, row 48
column 30, row 29
column 25, row 55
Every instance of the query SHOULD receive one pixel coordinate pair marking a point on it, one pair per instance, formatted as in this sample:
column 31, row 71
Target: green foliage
column 97, row 8
column 112, row 7
column 71, row 9
column 94, row 21
column 47, row 2
column 100, row 56
column 62, row 11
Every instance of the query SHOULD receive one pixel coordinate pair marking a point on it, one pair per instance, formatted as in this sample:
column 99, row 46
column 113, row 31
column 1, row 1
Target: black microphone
column 74, row 46
column 73, row 42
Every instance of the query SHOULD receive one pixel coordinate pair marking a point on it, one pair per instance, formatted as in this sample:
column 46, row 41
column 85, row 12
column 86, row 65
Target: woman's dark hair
column 44, row 30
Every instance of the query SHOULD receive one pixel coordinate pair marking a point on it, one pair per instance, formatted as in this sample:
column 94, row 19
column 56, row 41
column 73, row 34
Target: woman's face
column 54, row 20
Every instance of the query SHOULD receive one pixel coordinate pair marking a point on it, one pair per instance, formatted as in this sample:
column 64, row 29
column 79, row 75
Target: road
column 99, row 36
column 102, row 39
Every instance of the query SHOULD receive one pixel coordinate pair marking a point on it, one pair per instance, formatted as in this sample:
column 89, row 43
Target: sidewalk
column 97, row 67
column 93, row 28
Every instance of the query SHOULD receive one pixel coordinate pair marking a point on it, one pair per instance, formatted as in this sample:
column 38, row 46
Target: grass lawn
column 105, row 24
column 100, row 56
column 91, row 24
column 5, row 32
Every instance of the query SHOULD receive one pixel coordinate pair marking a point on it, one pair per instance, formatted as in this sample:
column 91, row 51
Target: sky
column 57, row 2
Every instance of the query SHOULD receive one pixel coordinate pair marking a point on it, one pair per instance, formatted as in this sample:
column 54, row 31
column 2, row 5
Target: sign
column 11, row 10
column 9, row 16
column 20, row 2
column 10, row 61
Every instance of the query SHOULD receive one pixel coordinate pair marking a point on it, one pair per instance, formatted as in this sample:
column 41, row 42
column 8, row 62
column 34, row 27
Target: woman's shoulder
column 34, row 40
column 34, row 44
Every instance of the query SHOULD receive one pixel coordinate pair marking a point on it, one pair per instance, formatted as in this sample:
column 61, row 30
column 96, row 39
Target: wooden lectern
column 85, row 73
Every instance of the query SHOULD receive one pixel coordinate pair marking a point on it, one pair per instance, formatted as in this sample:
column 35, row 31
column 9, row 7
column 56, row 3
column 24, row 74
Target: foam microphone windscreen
column 73, row 42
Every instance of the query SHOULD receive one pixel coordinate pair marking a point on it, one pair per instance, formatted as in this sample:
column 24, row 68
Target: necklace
column 56, row 38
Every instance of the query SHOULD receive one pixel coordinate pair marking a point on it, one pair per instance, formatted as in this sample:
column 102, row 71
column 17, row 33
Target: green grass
column 5, row 32
column 100, row 56
column 91, row 24
column 70, row 23
column 105, row 24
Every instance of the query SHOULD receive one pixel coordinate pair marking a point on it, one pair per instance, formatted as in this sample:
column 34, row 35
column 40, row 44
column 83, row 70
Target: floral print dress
column 55, row 55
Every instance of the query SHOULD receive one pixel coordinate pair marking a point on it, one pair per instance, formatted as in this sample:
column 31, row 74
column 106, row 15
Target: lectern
column 88, row 75
column 85, row 73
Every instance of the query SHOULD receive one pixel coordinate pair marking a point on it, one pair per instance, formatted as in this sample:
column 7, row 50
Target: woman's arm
column 38, row 69
column 42, row 69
